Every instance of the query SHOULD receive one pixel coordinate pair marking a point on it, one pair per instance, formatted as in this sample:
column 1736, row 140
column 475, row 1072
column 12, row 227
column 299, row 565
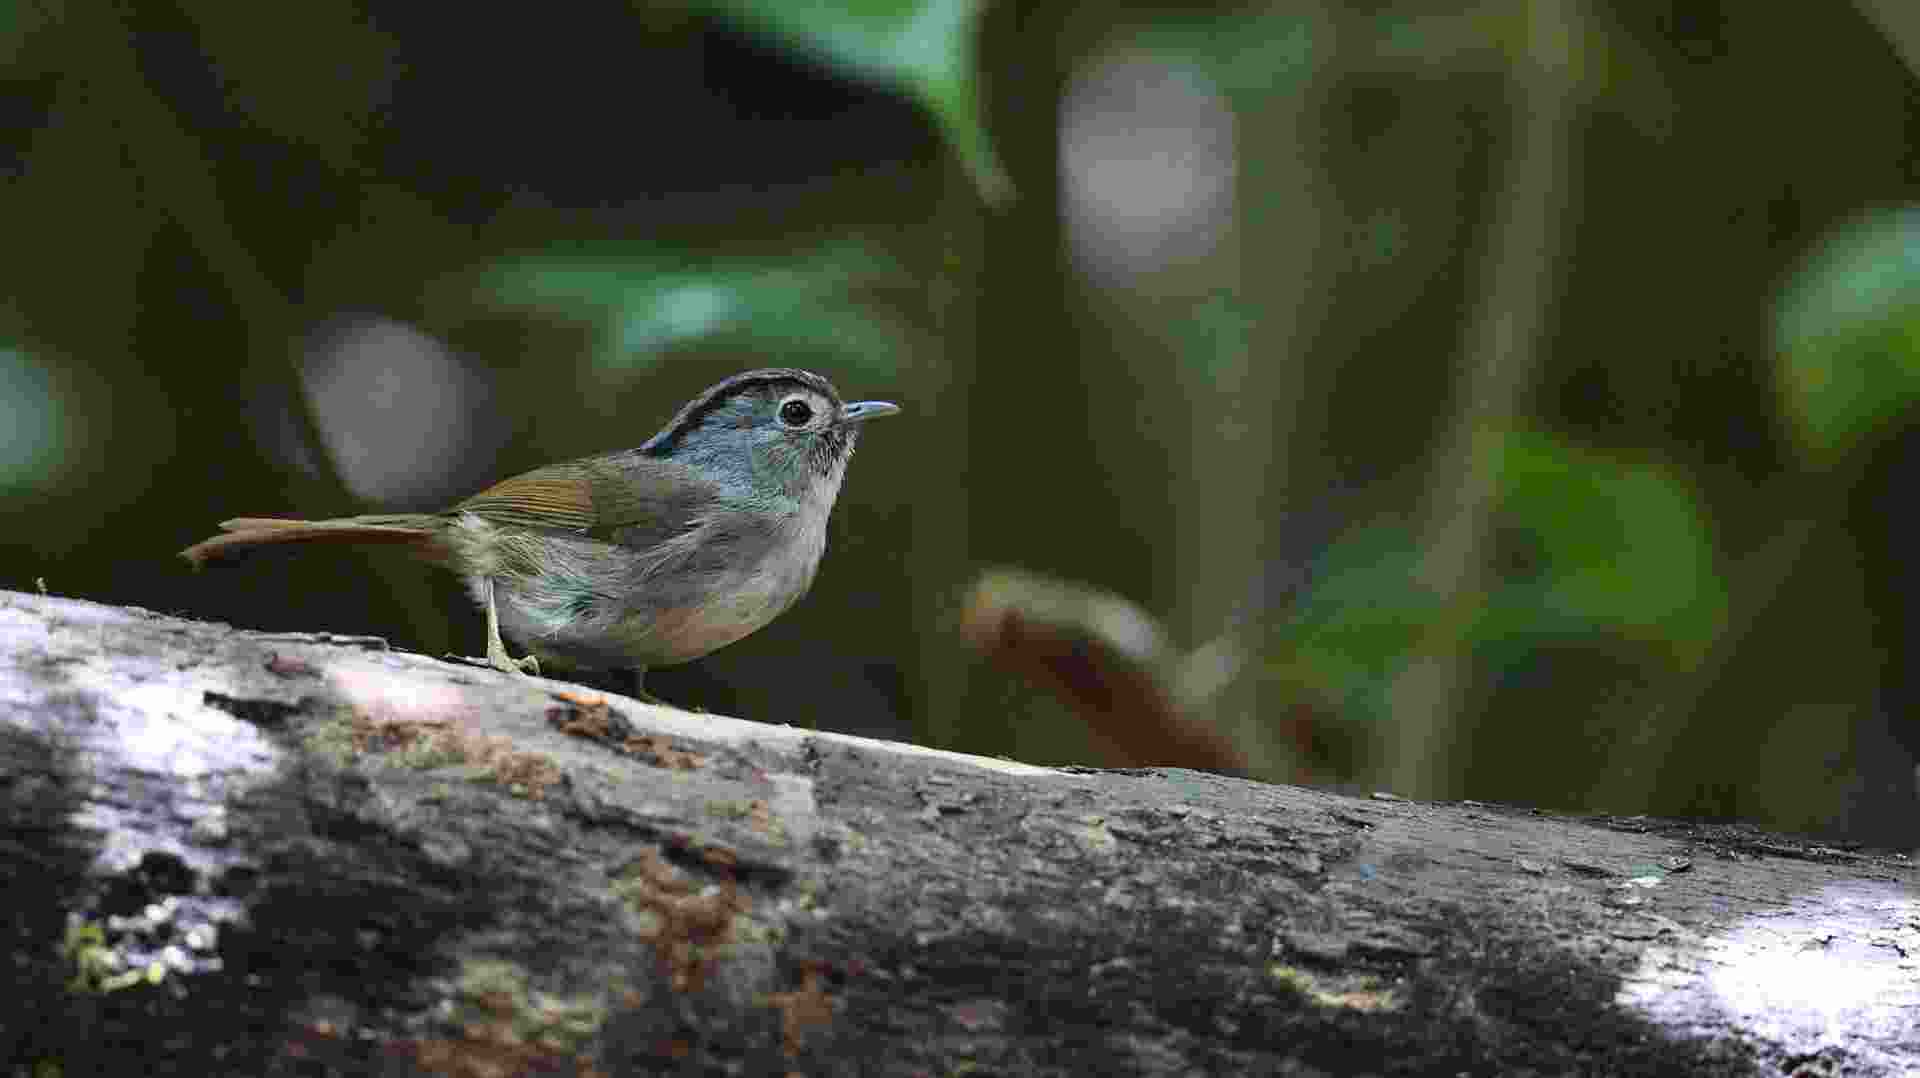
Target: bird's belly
column 681, row 634
column 601, row 605
column 648, row 628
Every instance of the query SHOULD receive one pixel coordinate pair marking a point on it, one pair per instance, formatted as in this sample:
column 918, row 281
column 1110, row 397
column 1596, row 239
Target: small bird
column 642, row 557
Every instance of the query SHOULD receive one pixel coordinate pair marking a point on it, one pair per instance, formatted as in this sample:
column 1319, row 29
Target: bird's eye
column 795, row 413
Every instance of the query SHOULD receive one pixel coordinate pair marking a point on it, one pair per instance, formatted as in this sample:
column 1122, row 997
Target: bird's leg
column 497, row 656
column 632, row 683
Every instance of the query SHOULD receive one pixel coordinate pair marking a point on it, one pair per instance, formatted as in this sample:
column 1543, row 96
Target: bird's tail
column 242, row 534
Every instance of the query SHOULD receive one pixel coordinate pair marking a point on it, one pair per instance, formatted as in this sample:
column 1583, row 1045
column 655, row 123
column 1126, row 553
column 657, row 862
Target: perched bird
column 642, row 557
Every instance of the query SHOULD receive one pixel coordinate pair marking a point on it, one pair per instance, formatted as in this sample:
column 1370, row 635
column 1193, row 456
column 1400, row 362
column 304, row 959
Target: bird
column 640, row 557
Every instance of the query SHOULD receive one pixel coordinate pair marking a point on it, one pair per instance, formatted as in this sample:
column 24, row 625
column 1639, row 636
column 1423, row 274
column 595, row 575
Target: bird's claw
column 502, row 662
column 507, row 664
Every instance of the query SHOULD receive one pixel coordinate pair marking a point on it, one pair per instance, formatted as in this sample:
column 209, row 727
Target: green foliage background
column 1540, row 421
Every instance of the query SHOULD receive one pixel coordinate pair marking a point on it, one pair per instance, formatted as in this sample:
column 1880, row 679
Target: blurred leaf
column 19, row 21
column 649, row 301
column 1622, row 547
column 1360, row 621
column 925, row 46
column 1619, row 550
column 1261, row 52
column 33, row 422
column 1217, row 332
column 1849, row 333
column 1900, row 21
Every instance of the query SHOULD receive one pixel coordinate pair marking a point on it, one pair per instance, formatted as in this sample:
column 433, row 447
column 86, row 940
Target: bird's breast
column 739, row 590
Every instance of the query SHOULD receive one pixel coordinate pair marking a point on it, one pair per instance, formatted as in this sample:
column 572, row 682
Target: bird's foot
column 502, row 662
column 507, row 664
column 631, row 682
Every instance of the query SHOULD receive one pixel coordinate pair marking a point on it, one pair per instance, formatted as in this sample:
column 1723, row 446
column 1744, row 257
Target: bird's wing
column 558, row 496
column 607, row 498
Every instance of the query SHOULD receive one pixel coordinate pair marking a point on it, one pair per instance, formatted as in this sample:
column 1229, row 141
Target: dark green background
column 197, row 196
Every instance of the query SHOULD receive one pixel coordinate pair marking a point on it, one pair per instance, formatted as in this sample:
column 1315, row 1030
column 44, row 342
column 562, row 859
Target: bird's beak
column 861, row 411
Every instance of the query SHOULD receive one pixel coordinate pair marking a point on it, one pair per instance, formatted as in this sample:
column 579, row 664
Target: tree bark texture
column 254, row 854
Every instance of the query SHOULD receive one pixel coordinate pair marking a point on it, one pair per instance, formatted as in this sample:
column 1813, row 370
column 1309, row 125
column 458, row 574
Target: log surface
column 244, row 853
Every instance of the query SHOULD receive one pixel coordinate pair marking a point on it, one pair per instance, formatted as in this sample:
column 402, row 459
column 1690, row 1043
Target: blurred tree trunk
column 1258, row 424
column 1205, row 414
column 1037, row 494
column 942, row 499
column 1900, row 21
column 1519, row 286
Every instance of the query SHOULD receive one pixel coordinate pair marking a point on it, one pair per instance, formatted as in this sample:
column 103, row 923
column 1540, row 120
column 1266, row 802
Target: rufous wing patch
column 560, row 496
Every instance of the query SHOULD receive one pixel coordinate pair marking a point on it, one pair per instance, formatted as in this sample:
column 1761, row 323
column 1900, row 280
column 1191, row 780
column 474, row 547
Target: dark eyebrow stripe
column 700, row 407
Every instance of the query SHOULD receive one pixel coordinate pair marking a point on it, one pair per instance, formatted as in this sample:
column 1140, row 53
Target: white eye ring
column 795, row 412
